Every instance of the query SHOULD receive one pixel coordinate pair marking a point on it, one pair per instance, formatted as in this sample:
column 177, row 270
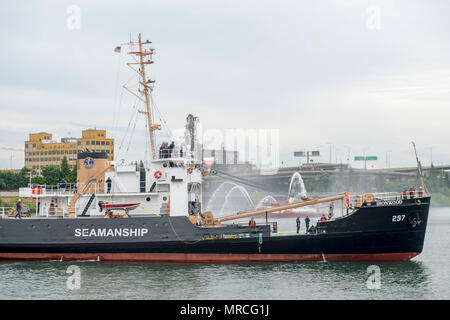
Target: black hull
column 370, row 233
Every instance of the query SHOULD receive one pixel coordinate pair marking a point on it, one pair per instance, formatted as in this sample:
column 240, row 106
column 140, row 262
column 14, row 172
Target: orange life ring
column 158, row 174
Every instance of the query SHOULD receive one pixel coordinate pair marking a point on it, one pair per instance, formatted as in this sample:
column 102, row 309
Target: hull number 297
column 398, row 218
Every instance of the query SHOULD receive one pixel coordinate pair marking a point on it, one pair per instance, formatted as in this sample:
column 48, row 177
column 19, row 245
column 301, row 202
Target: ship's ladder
column 86, row 208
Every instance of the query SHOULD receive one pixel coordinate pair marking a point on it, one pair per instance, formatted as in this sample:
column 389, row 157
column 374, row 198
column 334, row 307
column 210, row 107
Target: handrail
column 4, row 210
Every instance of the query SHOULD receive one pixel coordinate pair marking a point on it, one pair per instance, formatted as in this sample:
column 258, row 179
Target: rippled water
column 425, row 277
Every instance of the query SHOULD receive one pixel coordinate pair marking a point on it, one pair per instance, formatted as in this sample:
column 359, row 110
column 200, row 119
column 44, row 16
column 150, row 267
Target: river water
column 427, row 276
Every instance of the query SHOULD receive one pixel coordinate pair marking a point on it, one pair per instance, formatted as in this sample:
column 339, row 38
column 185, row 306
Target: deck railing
column 4, row 211
column 72, row 188
column 174, row 153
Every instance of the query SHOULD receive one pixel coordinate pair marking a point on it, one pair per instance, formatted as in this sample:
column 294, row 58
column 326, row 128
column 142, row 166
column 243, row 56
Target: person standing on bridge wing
column 298, row 224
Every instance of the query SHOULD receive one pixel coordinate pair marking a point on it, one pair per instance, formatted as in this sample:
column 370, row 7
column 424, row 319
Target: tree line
column 50, row 175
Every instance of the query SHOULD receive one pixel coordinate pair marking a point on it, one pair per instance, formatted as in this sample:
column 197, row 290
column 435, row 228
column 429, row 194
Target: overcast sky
column 364, row 77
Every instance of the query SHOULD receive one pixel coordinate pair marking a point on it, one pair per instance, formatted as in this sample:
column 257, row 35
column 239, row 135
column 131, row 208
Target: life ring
column 158, row 174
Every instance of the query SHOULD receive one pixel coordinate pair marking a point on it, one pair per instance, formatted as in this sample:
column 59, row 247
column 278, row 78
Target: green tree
column 72, row 178
column 65, row 169
column 38, row 180
column 51, row 174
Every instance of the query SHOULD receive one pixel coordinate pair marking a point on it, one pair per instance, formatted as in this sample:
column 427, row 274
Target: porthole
column 164, row 198
column 144, row 225
column 148, row 199
column 165, row 164
column 48, row 226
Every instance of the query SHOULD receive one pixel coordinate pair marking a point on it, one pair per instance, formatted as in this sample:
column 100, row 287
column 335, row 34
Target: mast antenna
column 144, row 57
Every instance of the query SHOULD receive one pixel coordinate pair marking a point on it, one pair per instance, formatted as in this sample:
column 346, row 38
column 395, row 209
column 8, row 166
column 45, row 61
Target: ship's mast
column 144, row 58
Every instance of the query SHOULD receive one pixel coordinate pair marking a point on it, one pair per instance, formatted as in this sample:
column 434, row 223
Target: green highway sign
column 369, row 158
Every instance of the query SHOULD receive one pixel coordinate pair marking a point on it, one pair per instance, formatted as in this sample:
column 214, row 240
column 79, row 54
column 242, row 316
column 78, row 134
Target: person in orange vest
column 252, row 222
column 323, row 219
column 412, row 192
column 405, row 192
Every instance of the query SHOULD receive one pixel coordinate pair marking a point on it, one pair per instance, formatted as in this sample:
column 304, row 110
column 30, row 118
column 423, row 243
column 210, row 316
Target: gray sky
column 364, row 76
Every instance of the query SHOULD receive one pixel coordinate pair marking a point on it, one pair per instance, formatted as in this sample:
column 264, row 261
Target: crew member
column 405, row 192
column 252, row 222
column 62, row 185
column 420, row 193
column 323, row 219
column 412, row 192
column 171, row 147
column 108, row 184
column 19, row 209
column 307, row 223
column 348, row 203
column 298, row 224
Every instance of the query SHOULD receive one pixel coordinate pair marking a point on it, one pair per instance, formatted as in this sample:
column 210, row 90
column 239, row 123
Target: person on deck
column 298, row 224
column 405, row 192
column 323, row 219
column 108, row 184
column 252, row 222
column 420, row 193
column 182, row 148
column 62, row 185
column 171, row 147
column 307, row 223
column 412, row 192
column 161, row 150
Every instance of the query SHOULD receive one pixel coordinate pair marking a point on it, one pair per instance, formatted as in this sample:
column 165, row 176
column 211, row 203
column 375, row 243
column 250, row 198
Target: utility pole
column 330, row 152
column 388, row 163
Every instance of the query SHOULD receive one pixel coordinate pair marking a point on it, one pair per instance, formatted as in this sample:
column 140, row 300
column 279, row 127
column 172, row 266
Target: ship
column 118, row 212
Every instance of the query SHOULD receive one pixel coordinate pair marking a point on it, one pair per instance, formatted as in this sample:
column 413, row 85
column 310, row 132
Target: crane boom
column 286, row 207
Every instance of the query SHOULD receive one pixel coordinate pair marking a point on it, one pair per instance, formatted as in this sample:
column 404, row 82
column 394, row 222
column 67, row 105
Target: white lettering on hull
column 108, row 232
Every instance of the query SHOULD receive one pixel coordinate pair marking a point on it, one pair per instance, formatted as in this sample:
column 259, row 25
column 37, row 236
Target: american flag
column 117, row 49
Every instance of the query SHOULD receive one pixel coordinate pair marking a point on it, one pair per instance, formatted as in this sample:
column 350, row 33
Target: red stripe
column 208, row 258
column 405, row 256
